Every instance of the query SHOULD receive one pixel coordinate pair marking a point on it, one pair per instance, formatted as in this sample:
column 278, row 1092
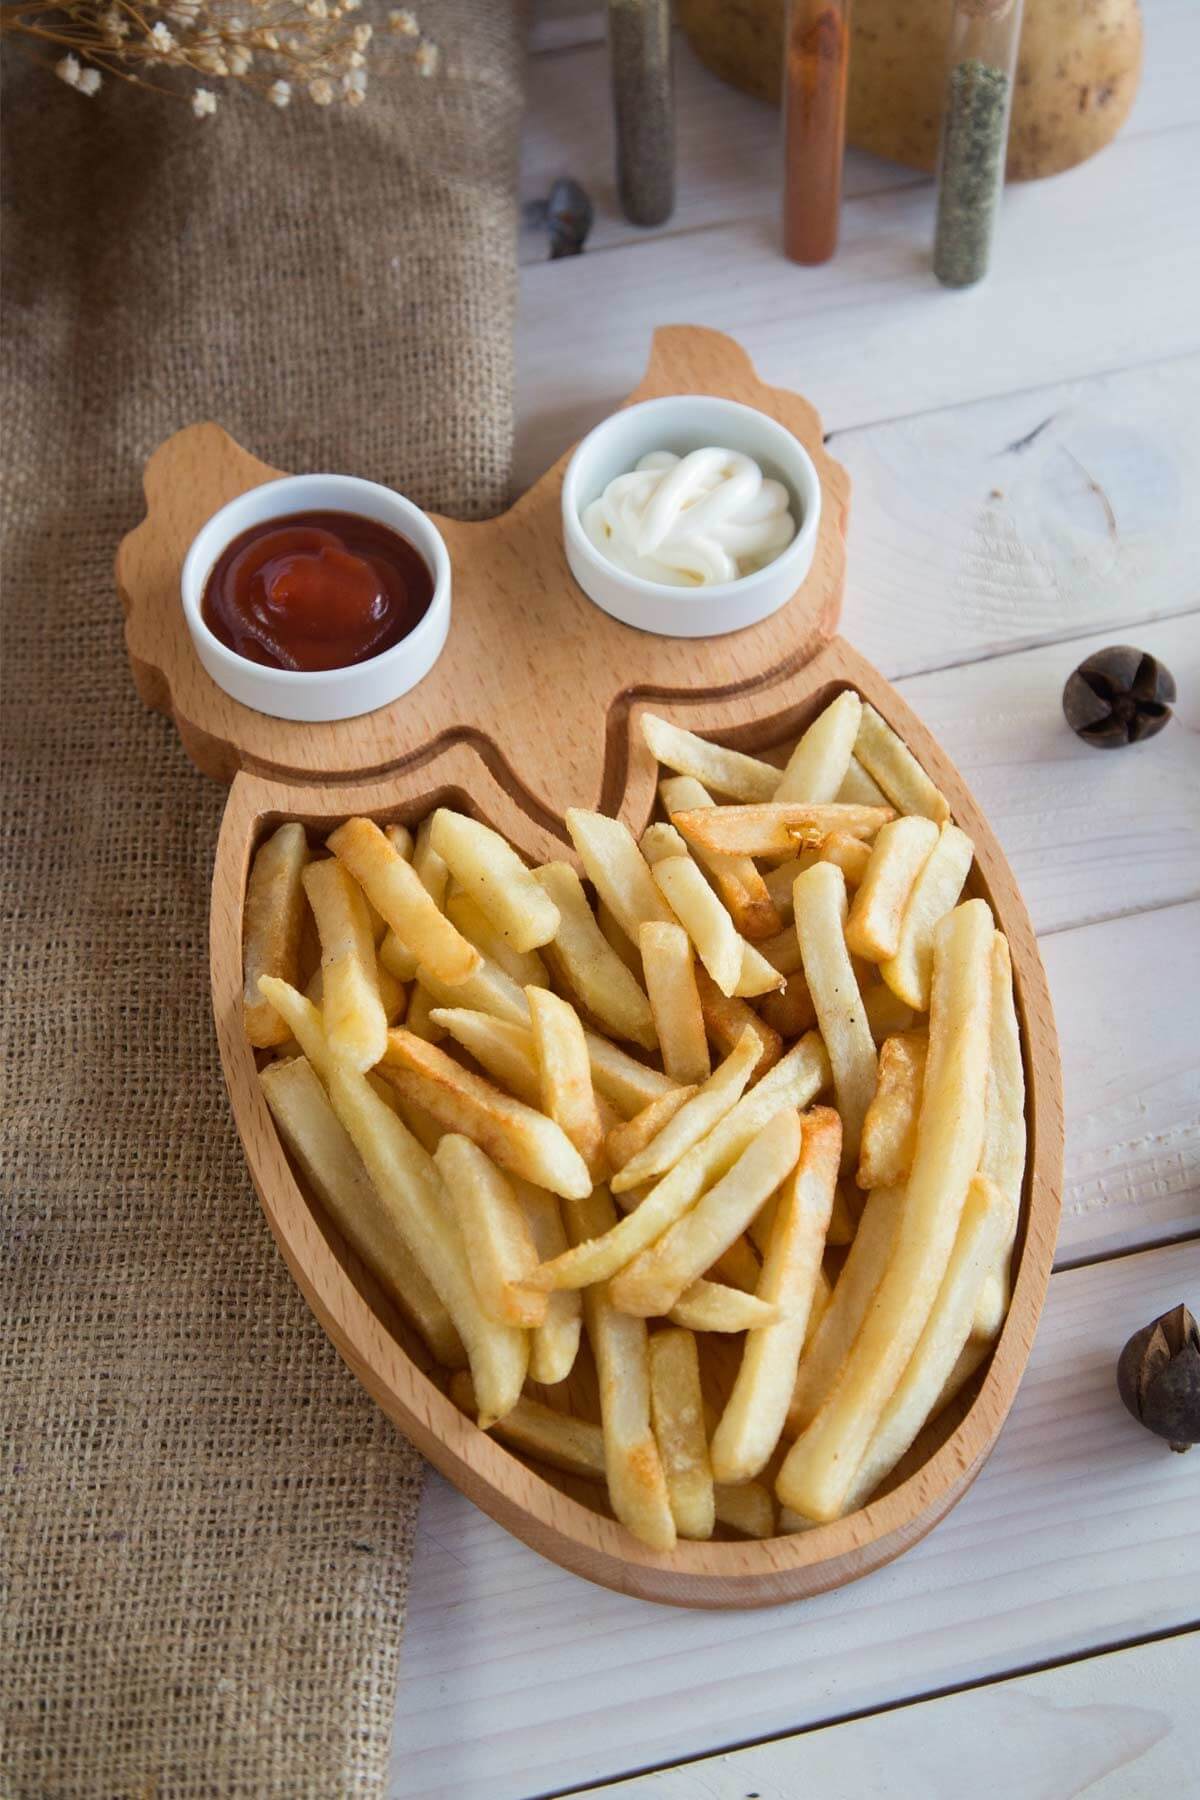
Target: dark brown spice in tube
column 816, row 58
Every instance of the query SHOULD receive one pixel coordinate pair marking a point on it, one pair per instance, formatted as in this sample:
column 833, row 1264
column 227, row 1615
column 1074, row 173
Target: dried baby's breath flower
column 320, row 91
column 89, row 82
column 162, row 38
column 68, row 70
column 280, row 93
column 239, row 59
column 403, row 23
column 204, row 103
column 427, row 58
column 362, row 35
column 114, row 25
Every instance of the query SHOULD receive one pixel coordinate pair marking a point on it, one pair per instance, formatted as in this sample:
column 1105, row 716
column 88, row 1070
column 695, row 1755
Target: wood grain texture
column 1110, row 1726
column 1080, row 1532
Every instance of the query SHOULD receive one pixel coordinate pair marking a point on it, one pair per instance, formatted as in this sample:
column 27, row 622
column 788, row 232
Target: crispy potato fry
column 395, row 890
column 431, row 869
column 627, row 1083
column 659, row 841
column 820, row 1467
column 887, row 1015
column 492, row 873
column 935, row 892
column 422, row 1124
column 488, row 990
column 711, row 1306
column 739, row 882
column 506, row 1051
column 757, row 975
column 393, row 995
column 779, row 882
column 860, row 789
column 1002, row 1159
column 970, row 1357
column 822, row 1294
column 334, row 1169
column 782, row 951
column 708, row 925
column 671, row 985
column 830, row 1344
column 554, row 1343
column 637, row 1487
column 500, row 1248
column 793, row 1082
column 726, row 771
column 818, row 765
column 420, row 1020
column 396, row 957
column 525, row 967
column 514, row 1135
column 355, row 1020
column 790, row 1013
column 615, row 938
column 775, row 830
column 892, row 764
column 738, row 1267
column 756, row 1412
column 843, row 1223
column 401, row 840
column 650, row 1285
column 272, row 926
column 726, row 1018
column 851, row 854
column 631, row 1136
column 610, row 994
column 899, row 854
column 889, row 1130
column 677, row 1411
column 616, row 869
column 566, row 1076
column 986, row 1216
column 719, row 1094
column 819, row 900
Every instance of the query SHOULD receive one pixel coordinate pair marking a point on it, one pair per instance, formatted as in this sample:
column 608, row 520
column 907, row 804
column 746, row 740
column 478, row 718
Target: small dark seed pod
column 1118, row 696
column 1158, row 1378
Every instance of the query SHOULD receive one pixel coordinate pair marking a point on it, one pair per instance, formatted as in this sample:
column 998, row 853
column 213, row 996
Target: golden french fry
column 622, row 1079
column 554, row 1344
column 393, row 995
column 525, row 967
column 500, row 1248
column 430, row 867
column 859, row 789
column 818, row 765
column 637, row 1486
column 851, row 854
column 659, row 841
column 790, row 1013
column 889, row 1130
column 822, row 1294
column 728, row 771
column 819, row 900
column 820, row 1467
column 726, row 1018
column 651, row 1284
column 566, row 1076
column 710, row 1103
column 420, row 1020
column 887, row 1015
column 513, row 1135
column 756, row 1412
column 899, row 854
column 970, row 1357
column 671, row 986
column 774, row 830
column 395, row 889
column 616, row 869
column 739, row 882
column 396, row 957
column 605, row 987
column 711, row 1306
column 779, row 882
column 677, row 1411
column 748, row 1508
column 401, row 840
column 492, row 873
column 782, row 951
column 272, row 927
column 827, row 1349
column 738, row 1267
column 935, row 892
column 627, row 1139
column 892, row 764
column 793, row 1082
column 986, row 1216
column 615, row 938
column 708, row 925
column 757, row 976
column 504, row 1050
column 355, row 1020
column 1002, row 1159
column 310, row 1129
column 423, row 1125
column 488, row 990
column 843, row 1223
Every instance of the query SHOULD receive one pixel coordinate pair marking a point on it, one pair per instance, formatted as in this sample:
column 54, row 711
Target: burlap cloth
column 207, row 1523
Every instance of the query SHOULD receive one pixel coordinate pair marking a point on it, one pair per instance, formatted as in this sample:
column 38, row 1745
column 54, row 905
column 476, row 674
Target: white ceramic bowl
column 680, row 423
column 318, row 695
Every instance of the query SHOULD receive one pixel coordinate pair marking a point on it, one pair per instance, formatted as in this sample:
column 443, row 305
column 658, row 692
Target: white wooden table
column 1026, row 468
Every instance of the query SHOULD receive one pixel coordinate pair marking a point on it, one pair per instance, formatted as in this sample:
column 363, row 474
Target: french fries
column 515, row 1136
column 710, row 928
column 893, row 766
column 616, row 869
column 659, row 841
column 501, row 1253
column 819, row 902
column 821, row 1464
column 693, row 1121
column 1002, row 1159
column 819, row 764
column 851, row 854
column 711, row 1306
column 506, row 1051
column 726, row 1018
column 677, row 1412
column 630, row 1085
column 431, row 870
column 272, row 926
column 775, row 830
column 488, row 989
column 739, row 883
column 756, row 1412
column 554, row 1344
column 566, row 1076
column 886, row 1015
column 496, row 879
column 900, row 853
column 738, row 1267
column 890, row 1127
column 727, row 771
column 859, row 789
column 611, row 995
column 354, row 1016
column 790, row 1012
column 525, row 967
column 674, row 1001
column 394, row 888
column 934, row 894
column 630, row 1137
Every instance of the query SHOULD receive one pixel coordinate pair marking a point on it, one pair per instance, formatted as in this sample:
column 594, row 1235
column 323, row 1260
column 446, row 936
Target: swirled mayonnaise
column 693, row 520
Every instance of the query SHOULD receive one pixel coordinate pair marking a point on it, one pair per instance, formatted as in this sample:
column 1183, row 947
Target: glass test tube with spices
column 816, row 58
column 984, row 35
column 639, row 49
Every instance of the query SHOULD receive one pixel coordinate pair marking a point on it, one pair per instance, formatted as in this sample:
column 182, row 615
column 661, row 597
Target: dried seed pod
column 1118, row 696
column 1158, row 1377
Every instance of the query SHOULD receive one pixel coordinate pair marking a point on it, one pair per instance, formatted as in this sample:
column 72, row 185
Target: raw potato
column 1077, row 73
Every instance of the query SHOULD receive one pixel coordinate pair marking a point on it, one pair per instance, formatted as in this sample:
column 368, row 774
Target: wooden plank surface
column 1113, row 1727
column 517, row 1680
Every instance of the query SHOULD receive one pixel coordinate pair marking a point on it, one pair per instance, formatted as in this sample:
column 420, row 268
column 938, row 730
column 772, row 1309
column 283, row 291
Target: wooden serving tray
column 533, row 707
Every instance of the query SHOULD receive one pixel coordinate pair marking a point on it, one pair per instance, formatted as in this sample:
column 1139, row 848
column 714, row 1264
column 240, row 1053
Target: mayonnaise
column 691, row 521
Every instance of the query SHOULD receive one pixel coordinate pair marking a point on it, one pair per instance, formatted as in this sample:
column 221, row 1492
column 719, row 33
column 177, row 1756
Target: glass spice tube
column 639, row 48
column 984, row 35
column 816, row 58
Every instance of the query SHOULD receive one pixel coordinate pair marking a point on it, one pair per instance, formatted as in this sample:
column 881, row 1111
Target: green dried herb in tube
column 639, row 48
column 984, row 35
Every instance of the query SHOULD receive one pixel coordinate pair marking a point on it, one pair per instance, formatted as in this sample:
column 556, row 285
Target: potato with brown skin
column 1077, row 73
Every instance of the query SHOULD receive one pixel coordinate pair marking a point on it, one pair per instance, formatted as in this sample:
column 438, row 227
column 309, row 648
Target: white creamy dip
column 691, row 521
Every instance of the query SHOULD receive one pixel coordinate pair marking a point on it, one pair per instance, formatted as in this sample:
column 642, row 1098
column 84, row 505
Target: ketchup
column 316, row 590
